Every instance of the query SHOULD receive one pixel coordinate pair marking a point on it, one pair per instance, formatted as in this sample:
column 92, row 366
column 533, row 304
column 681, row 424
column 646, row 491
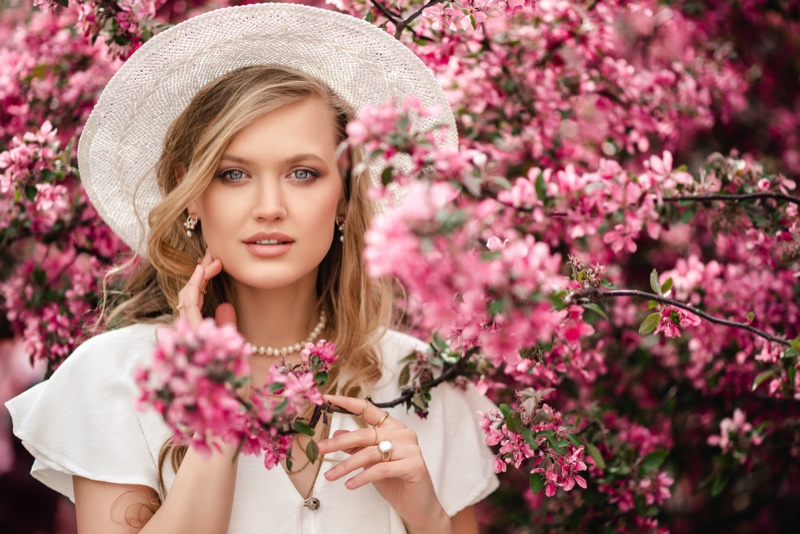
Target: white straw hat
column 124, row 135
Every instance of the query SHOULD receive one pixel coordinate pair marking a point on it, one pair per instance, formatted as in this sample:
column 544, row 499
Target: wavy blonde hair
column 358, row 308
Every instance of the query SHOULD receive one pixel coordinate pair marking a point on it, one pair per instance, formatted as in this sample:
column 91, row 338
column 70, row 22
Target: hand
column 190, row 298
column 404, row 480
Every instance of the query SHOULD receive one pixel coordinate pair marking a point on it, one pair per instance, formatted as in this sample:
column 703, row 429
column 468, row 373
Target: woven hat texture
column 124, row 135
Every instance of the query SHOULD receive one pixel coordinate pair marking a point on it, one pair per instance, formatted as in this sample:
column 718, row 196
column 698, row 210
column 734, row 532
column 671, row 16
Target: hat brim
column 123, row 137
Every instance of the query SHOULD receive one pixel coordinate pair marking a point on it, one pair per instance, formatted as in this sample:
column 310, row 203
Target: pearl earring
column 340, row 225
column 190, row 224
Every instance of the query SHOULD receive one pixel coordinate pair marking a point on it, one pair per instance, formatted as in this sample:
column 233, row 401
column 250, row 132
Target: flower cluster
column 199, row 381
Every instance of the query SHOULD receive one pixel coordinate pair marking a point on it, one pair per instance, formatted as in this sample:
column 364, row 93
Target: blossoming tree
column 612, row 254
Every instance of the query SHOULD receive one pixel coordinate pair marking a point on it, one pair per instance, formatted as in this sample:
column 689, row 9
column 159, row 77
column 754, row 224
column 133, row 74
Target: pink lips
column 269, row 251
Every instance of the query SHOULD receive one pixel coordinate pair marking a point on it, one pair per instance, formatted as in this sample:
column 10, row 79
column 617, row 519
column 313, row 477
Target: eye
column 303, row 175
column 231, row 175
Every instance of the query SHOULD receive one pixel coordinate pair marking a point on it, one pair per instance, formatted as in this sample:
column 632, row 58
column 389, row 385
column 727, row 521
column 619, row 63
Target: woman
column 255, row 217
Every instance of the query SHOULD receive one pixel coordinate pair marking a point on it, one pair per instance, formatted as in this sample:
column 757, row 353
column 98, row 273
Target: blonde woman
column 214, row 154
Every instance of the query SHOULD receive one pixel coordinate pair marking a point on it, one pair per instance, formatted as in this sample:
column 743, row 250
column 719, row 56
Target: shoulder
column 121, row 348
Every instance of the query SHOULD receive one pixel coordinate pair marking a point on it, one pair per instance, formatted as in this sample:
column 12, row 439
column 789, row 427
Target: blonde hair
column 358, row 308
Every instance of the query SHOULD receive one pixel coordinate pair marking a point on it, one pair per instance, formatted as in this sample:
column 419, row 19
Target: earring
column 340, row 225
column 190, row 224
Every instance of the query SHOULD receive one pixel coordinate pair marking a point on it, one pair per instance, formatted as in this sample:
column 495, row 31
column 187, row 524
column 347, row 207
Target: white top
column 83, row 421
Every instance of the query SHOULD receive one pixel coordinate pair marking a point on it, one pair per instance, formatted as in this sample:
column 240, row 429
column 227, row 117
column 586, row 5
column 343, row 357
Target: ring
column 386, row 448
column 366, row 403
column 179, row 307
column 376, row 434
column 385, row 415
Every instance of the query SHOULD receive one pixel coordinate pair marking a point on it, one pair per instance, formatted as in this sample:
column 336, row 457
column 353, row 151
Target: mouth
column 268, row 242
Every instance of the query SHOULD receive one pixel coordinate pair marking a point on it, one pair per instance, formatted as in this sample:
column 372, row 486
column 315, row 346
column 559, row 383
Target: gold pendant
column 311, row 503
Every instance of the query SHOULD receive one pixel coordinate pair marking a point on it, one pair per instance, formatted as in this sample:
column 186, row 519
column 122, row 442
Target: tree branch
column 450, row 372
column 595, row 295
column 728, row 198
column 405, row 22
column 385, row 11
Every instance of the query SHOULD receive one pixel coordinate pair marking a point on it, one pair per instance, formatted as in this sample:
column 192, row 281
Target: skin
column 279, row 174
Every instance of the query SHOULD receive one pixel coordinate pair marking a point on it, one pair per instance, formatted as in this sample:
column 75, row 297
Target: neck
column 276, row 317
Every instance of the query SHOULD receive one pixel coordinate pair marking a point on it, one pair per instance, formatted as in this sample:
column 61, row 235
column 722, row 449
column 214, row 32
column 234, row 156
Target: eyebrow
column 284, row 162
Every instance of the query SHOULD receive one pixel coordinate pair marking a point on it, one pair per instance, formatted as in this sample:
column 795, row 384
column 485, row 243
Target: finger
column 409, row 469
column 348, row 440
column 190, row 299
column 365, row 458
column 372, row 415
column 225, row 314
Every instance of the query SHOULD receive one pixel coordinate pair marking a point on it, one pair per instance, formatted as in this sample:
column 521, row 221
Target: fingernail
column 328, row 474
column 349, row 483
column 322, row 444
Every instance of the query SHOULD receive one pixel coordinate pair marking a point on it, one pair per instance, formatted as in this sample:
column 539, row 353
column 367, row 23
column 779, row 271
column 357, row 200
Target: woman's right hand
column 190, row 298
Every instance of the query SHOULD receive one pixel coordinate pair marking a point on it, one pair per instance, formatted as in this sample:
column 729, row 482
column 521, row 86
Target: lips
column 268, row 238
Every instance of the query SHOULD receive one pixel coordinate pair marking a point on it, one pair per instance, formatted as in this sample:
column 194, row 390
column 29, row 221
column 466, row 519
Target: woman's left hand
column 403, row 480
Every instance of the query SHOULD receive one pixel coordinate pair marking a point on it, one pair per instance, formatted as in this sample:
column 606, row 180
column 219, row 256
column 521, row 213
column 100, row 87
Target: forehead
column 308, row 122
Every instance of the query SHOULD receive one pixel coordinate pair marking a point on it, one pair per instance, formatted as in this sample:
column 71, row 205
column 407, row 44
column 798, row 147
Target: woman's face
column 268, row 213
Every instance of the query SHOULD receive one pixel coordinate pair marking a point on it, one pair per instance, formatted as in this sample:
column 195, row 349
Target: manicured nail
column 349, row 483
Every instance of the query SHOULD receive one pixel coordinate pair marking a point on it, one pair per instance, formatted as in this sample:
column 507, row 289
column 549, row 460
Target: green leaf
column 750, row 316
column 606, row 283
column 760, row 379
column 369, row 17
column 321, row 378
column 288, row 458
column 595, row 308
column 554, row 445
column 666, row 286
column 530, row 438
column 654, row 282
column 653, row 461
column 545, row 433
column 719, row 484
column 650, row 323
column 574, row 440
column 274, row 388
column 30, row 192
column 387, row 175
column 541, row 187
column 473, row 21
column 312, row 451
column 405, row 375
column 303, row 428
column 795, row 343
column 594, row 452
column 651, row 304
column 537, row 482
column 513, row 423
column 506, row 410
column 496, row 306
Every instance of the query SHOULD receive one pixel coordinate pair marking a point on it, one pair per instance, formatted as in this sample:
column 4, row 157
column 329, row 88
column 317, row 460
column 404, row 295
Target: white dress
column 82, row 421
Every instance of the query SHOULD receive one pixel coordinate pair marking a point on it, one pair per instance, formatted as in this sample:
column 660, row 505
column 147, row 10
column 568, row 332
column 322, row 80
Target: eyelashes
column 302, row 174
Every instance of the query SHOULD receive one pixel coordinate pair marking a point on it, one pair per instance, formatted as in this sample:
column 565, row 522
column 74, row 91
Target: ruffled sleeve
column 452, row 443
column 83, row 420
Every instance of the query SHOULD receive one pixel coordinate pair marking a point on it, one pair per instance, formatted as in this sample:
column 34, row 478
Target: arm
column 402, row 477
column 201, row 497
column 200, row 500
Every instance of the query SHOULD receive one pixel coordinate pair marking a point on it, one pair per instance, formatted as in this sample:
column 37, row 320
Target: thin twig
column 729, row 198
column 450, row 372
column 405, row 22
column 595, row 295
column 386, row 13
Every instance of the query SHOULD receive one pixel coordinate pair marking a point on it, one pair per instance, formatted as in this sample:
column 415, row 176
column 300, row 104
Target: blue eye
column 303, row 174
column 231, row 175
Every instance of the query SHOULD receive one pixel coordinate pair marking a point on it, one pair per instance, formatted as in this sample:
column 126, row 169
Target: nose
column 269, row 202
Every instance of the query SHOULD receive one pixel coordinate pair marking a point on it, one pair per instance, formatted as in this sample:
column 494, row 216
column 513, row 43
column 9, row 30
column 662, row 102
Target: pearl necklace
column 297, row 347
